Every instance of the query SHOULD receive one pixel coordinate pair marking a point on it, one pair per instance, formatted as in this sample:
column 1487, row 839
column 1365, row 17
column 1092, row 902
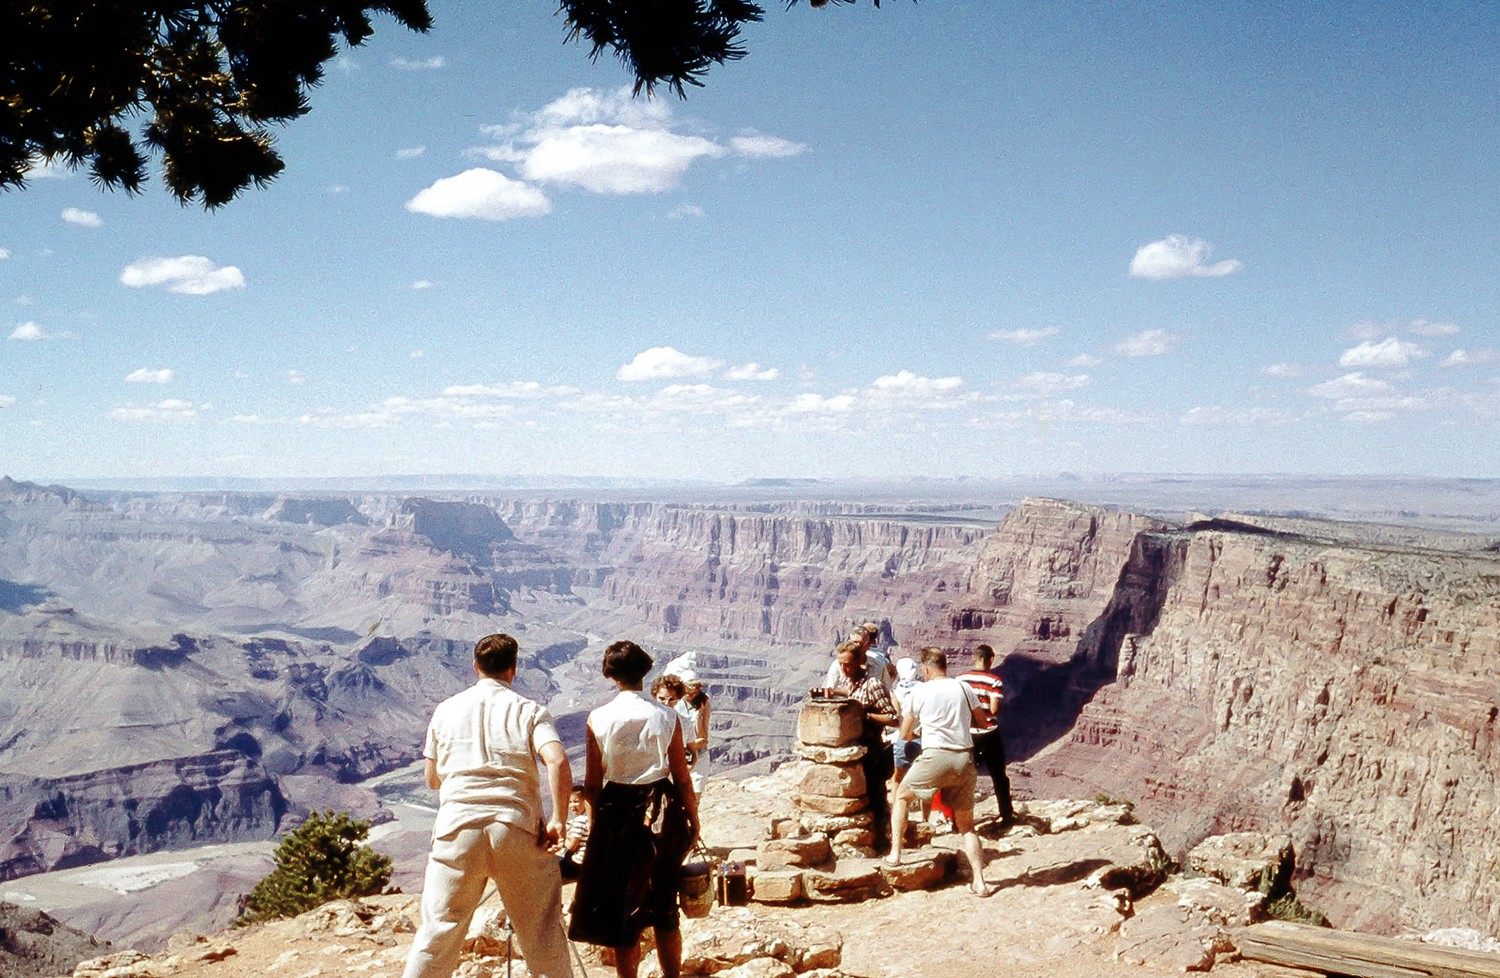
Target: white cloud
column 664, row 362
column 1424, row 327
column 410, row 152
column 82, row 218
column 1151, row 343
column 818, row 404
column 1049, row 384
column 1244, row 417
column 612, row 143
column 294, row 377
column 1366, row 399
column 1389, row 352
column 1470, row 358
column 41, row 169
column 144, row 376
column 1178, row 256
column 682, row 211
column 187, row 275
column 907, row 382
column 29, row 331
column 336, row 188
column 480, row 193
column 417, row 354
column 1283, row 370
column 515, row 389
column 346, row 64
column 1025, row 337
column 765, row 147
column 421, row 284
column 4, row 253
column 1084, row 360
column 423, row 64
column 169, row 410
column 751, row 371
column 6, row 400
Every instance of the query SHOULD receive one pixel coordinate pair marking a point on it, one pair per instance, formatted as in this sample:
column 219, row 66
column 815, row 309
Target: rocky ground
column 1081, row 890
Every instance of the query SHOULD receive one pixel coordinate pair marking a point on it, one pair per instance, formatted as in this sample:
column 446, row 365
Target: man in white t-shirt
column 481, row 752
column 944, row 709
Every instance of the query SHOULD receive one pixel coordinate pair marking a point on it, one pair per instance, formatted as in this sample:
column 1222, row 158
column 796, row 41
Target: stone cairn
column 825, row 854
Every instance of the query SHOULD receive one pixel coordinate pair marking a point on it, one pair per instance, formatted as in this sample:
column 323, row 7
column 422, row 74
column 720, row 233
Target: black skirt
column 628, row 880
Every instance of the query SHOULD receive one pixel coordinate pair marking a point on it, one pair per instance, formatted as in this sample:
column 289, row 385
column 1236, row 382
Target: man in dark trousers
column 989, row 751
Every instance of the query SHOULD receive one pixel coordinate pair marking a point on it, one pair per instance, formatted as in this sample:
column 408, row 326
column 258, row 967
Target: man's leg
column 669, row 952
column 898, row 822
column 531, row 889
column 989, row 750
column 963, row 820
column 451, row 889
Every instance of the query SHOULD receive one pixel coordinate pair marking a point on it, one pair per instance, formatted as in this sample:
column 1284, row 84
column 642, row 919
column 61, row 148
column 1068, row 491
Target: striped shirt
column 986, row 685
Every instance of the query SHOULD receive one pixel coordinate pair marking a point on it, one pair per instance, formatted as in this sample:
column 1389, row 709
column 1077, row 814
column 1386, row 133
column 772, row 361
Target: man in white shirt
column 945, row 710
column 481, row 752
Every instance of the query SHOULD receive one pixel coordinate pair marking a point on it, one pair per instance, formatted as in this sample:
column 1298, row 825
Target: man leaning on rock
column 481, row 752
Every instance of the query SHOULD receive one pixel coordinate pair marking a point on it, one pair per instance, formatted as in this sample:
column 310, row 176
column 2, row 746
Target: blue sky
column 926, row 240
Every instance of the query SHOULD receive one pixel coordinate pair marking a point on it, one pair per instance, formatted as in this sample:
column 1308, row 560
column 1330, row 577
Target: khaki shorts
column 939, row 769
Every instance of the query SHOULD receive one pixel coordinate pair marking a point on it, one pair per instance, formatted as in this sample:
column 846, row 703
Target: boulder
column 833, row 804
column 1245, row 860
column 812, row 850
column 918, row 871
column 849, row 881
column 777, row 886
column 847, row 754
column 829, row 723
column 1224, row 905
column 1173, row 936
column 835, row 780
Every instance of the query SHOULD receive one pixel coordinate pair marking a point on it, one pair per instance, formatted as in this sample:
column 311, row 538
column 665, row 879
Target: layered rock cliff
column 1342, row 691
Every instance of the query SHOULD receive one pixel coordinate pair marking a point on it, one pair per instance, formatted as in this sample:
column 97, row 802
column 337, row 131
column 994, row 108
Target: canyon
column 188, row 668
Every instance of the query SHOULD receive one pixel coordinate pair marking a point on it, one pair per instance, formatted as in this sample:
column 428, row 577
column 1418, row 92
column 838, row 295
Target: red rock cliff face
column 1341, row 692
column 719, row 575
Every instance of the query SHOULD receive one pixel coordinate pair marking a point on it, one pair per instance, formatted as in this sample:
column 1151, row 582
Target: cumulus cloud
column 1048, row 384
column 1151, row 343
column 1361, row 398
column 29, row 332
column 144, row 376
column 751, row 371
column 661, row 362
column 1084, row 360
column 809, row 403
column 1282, row 370
column 421, row 284
column 480, row 193
column 82, row 218
column 410, row 152
column 1469, row 358
column 1025, row 337
column 611, row 143
column 187, row 275
column 4, row 253
column 1389, row 352
column 767, row 147
column 1425, row 327
column 420, row 64
column 1178, row 256
column 168, row 410
column 1244, row 417
column 7, row 400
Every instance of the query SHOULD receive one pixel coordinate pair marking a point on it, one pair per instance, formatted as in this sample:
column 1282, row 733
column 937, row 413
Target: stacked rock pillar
column 830, row 784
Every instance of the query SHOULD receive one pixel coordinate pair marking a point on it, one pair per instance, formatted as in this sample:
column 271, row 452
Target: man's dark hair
column 495, row 654
column 984, row 655
column 935, row 657
column 625, row 661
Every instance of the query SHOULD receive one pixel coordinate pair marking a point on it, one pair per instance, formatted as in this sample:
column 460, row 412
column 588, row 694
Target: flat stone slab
column 851, row 880
column 829, row 723
column 918, row 871
column 819, row 754
column 812, row 850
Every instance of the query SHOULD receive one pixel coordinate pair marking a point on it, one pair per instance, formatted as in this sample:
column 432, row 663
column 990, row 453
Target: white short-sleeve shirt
column 634, row 732
column 484, row 742
column 944, row 708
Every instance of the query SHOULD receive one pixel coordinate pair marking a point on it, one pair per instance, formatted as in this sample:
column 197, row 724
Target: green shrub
column 1287, row 907
column 324, row 859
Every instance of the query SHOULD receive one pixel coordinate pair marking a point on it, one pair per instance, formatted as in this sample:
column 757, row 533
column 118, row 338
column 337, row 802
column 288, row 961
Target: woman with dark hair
column 645, row 818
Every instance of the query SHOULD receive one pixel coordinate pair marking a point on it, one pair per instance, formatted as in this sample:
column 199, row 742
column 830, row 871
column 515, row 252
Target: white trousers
column 529, row 885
